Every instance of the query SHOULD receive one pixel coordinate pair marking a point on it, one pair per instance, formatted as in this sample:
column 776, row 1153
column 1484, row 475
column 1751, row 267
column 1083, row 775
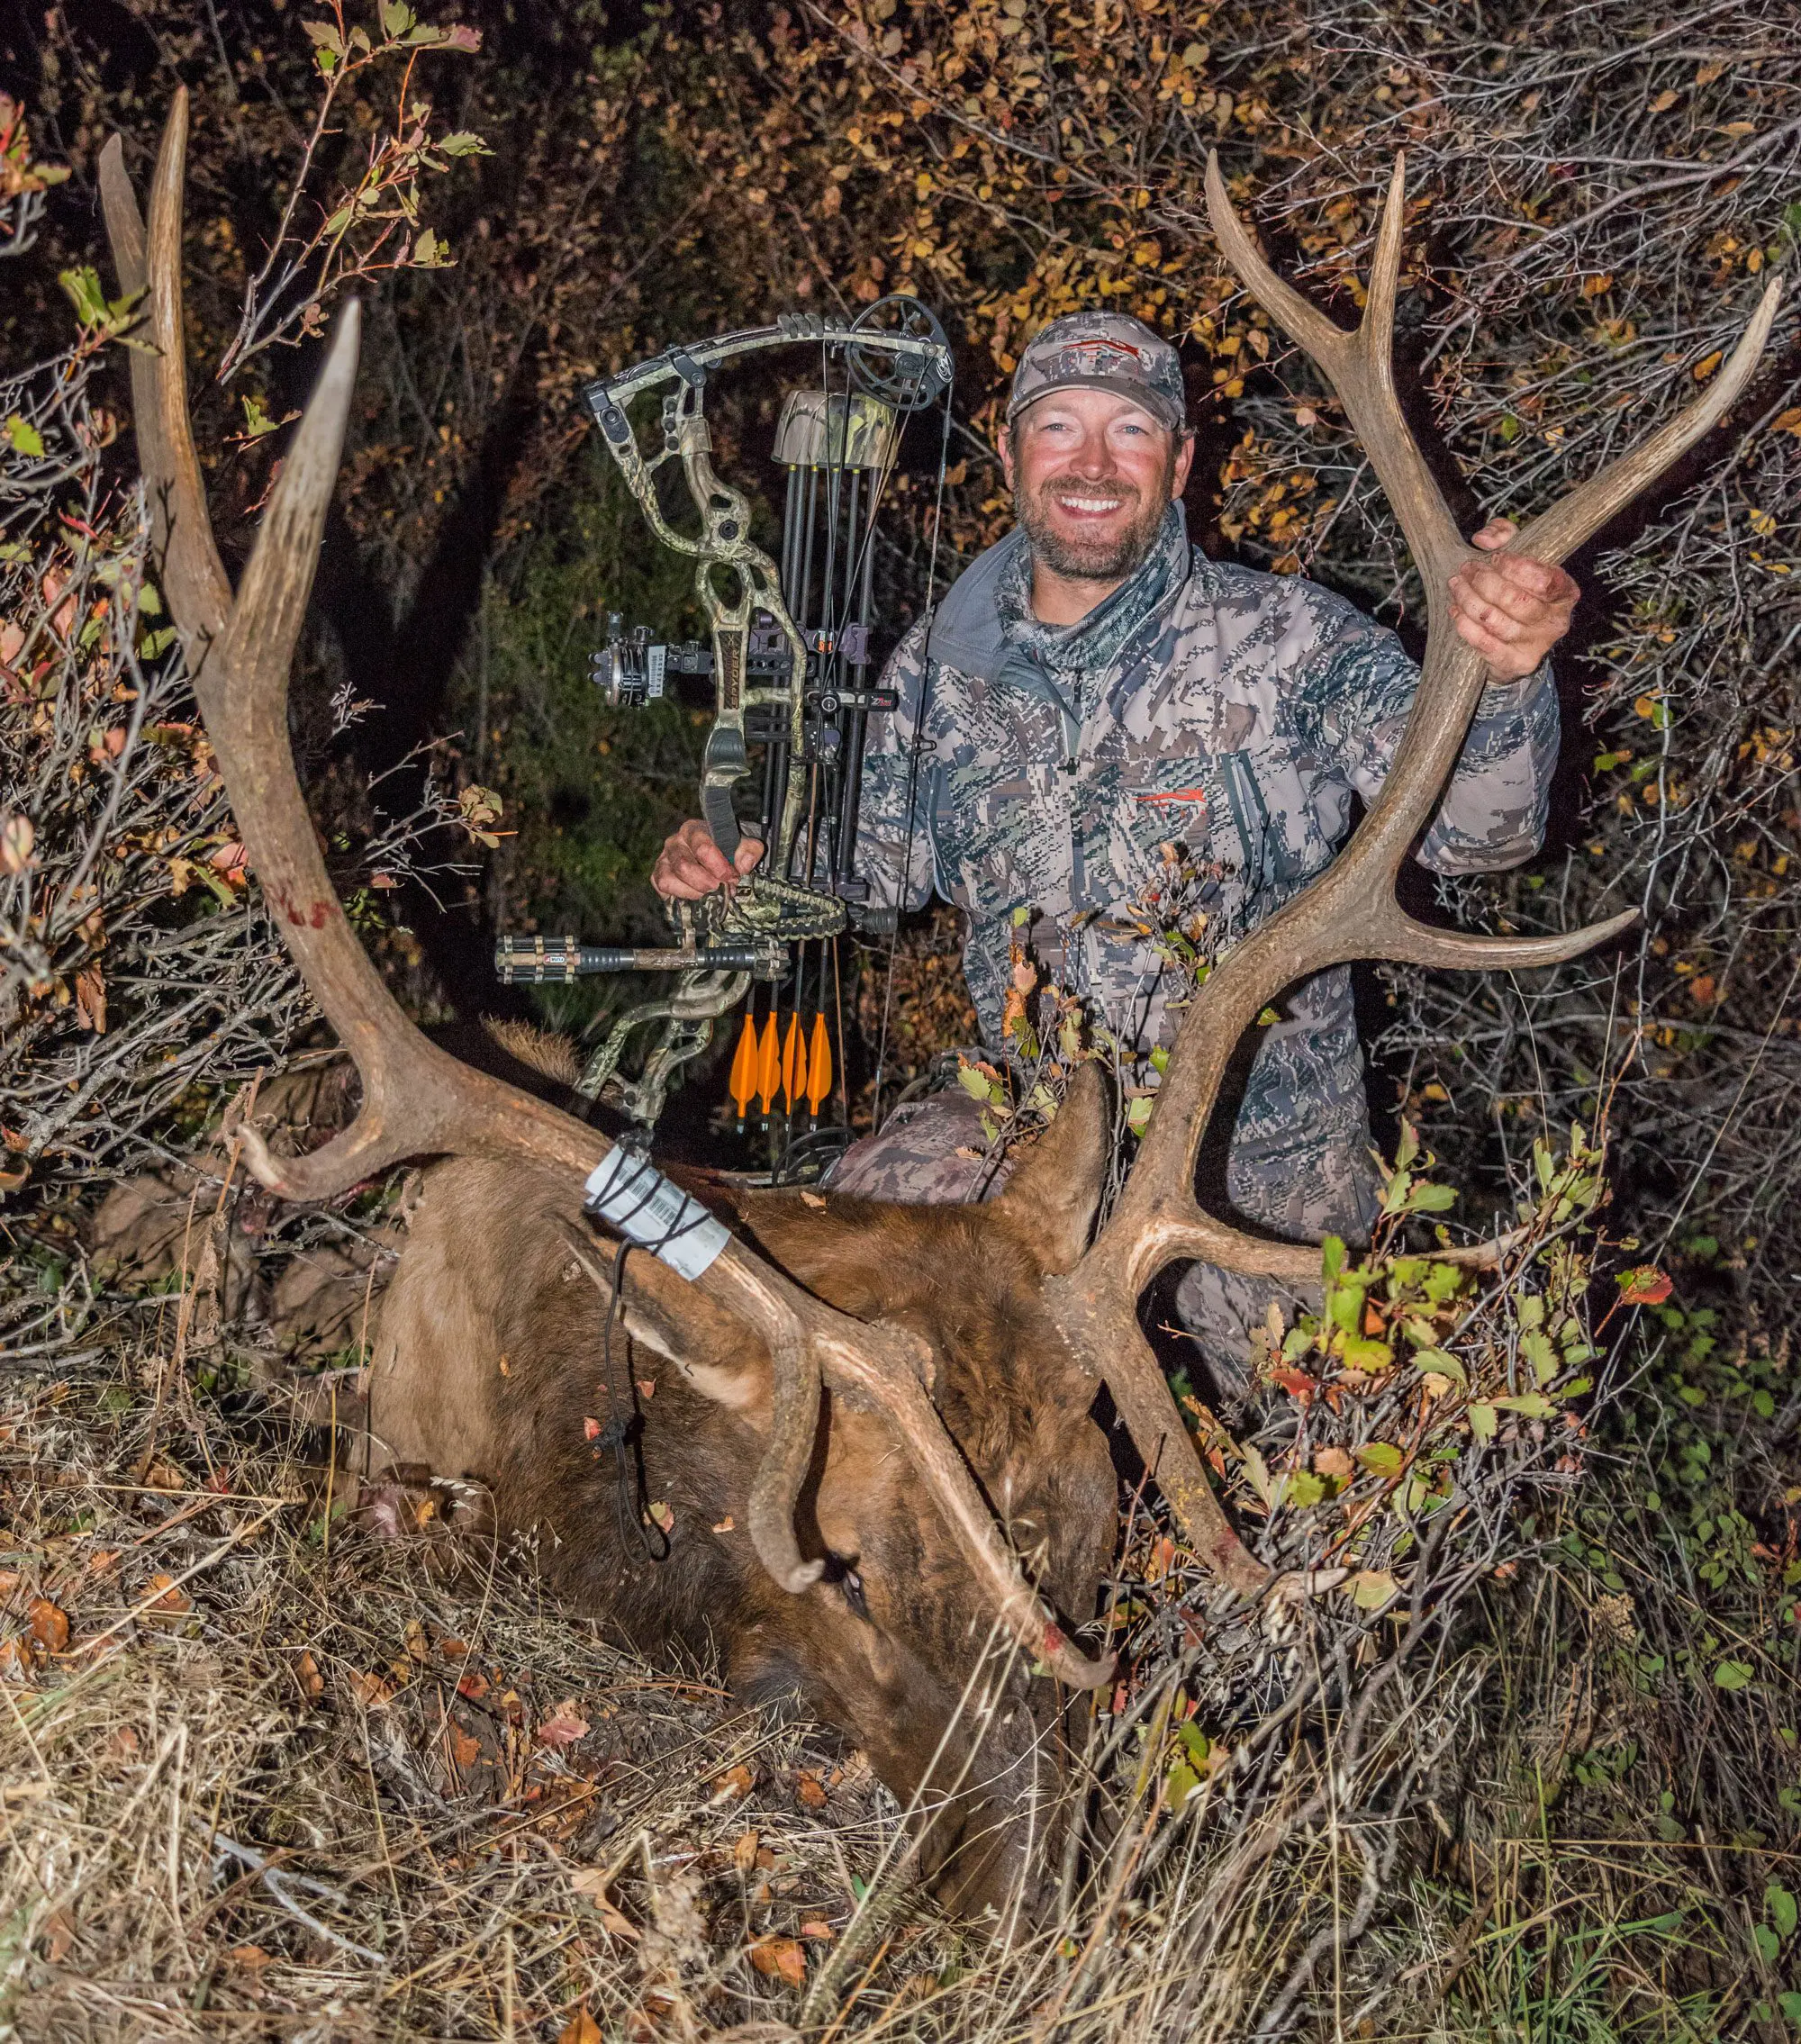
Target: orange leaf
column 580, row 2029
column 781, row 1959
column 735, row 1783
column 50, row 1624
column 172, row 1599
column 810, row 1791
column 307, row 1673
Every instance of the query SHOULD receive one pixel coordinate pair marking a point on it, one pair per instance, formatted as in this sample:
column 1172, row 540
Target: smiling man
column 1094, row 687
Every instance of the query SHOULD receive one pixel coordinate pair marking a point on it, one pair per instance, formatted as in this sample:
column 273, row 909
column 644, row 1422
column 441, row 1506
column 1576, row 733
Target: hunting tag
column 633, row 1195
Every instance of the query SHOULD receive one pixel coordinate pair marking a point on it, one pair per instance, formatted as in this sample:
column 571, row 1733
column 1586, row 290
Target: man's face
column 1091, row 475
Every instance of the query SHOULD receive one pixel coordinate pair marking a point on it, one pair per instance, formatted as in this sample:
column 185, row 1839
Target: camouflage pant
column 932, row 1152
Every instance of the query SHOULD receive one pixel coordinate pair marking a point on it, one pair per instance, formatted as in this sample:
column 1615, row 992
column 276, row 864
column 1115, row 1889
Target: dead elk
column 898, row 1400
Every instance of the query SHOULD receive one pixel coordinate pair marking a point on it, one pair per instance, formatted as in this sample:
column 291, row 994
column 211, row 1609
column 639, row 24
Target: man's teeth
column 1090, row 503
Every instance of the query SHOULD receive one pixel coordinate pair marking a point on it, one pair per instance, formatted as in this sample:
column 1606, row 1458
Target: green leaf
column 25, row 437
column 1536, row 1348
column 1767, row 1942
column 83, row 286
column 1159, row 1060
column 1790, row 2005
column 1483, row 1420
column 324, row 36
column 1733, row 1674
column 1179, row 1784
column 1528, row 1404
column 1780, row 1904
column 464, row 143
column 1444, row 1364
column 1371, row 1588
column 1381, row 1458
column 1138, row 1113
column 1332, row 1257
column 1196, row 1741
column 1302, row 1488
column 1365, row 1353
column 397, row 17
column 1432, row 1198
column 973, row 1082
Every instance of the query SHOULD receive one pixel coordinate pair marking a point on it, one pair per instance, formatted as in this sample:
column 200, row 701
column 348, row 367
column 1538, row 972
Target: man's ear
column 1051, row 1198
column 1183, row 462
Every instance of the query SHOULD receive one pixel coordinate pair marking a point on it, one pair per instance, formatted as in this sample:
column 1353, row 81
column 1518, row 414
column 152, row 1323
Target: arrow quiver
column 792, row 671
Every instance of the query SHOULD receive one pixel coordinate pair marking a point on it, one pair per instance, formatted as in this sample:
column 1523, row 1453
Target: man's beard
column 1110, row 559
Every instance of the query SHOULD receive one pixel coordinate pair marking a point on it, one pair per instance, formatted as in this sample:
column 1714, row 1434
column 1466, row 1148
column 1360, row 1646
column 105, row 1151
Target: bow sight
column 791, row 662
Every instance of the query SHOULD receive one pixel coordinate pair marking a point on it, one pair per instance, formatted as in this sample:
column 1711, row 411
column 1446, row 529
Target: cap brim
column 1153, row 403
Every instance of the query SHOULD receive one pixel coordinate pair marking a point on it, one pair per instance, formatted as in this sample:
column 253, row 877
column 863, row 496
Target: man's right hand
column 691, row 866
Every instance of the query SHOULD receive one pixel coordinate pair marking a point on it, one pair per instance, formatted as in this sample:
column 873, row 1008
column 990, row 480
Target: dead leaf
column 90, row 999
column 172, row 1600
column 647, row 1387
column 580, row 2029
column 727, row 1525
column 659, row 1515
column 372, row 1691
column 812, row 1200
column 453, row 1650
column 812, row 1791
column 10, row 1579
column 817, row 1927
column 1333, row 1462
column 781, row 1959
column 734, row 1784
column 307, row 1673
column 15, row 1660
column 465, row 1751
column 592, row 1882
column 248, row 1958
column 50, row 1624
column 563, row 1727
column 473, row 1686
column 744, row 1853
column 417, row 1646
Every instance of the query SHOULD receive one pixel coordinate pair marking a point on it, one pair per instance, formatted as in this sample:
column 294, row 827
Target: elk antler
column 417, row 1101
column 1350, row 911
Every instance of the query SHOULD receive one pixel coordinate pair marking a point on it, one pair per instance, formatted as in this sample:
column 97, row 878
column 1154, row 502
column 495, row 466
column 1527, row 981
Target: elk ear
column 711, row 1352
column 1051, row 1198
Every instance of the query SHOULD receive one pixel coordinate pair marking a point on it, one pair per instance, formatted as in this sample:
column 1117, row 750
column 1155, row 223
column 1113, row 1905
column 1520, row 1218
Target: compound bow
column 790, row 661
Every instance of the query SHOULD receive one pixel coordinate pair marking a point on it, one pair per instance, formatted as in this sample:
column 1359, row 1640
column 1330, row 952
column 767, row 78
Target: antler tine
column 781, row 1475
column 1555, row 534
column 417, row 1100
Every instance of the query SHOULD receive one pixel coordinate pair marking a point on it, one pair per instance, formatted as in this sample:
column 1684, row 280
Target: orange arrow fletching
column 743, row 1080
column 819, row 1067
column 769, row 1064
column 794, row 1061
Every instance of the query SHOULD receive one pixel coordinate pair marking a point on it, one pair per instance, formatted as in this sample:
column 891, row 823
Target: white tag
column 633, row 1197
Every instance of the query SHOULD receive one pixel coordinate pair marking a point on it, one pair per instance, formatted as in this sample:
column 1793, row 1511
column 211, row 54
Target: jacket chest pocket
column 1270, row 843
column 1160, row 802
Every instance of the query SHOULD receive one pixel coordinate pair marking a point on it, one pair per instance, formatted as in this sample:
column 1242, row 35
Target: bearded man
column 1093, row 688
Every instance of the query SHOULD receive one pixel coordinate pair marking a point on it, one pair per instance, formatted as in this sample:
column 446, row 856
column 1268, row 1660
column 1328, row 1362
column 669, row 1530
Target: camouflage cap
column 1102, row 351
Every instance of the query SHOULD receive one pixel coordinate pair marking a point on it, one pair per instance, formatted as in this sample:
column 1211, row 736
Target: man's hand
column 1513, row 611
column 690, row 865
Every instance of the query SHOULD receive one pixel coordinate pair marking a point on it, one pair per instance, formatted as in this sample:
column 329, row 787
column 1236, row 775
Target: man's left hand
column 1512, row 611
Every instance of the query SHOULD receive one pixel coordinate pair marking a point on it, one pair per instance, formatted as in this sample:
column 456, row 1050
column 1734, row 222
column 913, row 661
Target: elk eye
column 839, row 1571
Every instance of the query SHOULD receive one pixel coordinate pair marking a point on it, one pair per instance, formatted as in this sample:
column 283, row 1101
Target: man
column 1092, row 688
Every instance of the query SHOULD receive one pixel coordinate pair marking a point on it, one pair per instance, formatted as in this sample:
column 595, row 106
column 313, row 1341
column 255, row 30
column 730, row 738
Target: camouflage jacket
column 1239, row 718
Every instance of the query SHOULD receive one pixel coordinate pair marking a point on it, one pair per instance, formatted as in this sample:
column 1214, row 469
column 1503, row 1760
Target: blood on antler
column 1350, row 911
column 417, row 1101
